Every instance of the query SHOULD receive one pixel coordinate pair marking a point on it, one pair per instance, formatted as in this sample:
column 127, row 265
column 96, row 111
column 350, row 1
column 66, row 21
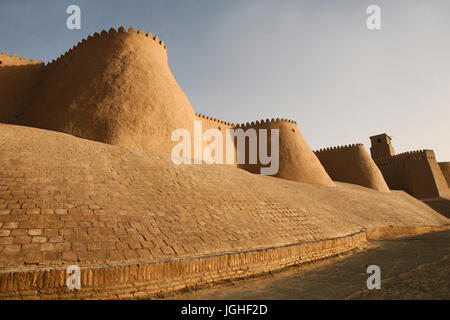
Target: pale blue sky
column 312, row 61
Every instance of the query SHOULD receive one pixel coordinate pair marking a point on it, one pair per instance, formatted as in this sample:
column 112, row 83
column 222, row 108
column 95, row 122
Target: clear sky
column 312, row 61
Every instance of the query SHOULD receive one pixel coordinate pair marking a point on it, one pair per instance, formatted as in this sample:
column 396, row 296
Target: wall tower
column 381, row 146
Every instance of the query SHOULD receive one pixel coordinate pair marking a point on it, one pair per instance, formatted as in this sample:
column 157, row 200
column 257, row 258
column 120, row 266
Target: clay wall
column 209, row 122
column 381, row 146
column 18, row 76
column 445, row 168
column 352, row 164
column 416, row 172
column 296, row 160
column 114, row 87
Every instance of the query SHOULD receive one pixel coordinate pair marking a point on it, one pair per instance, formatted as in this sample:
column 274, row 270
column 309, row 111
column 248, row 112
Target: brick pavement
column 66, row 200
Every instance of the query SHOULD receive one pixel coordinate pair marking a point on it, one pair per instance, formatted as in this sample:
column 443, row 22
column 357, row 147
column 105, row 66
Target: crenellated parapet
column 352, row 164
column 340, row 148
column 13, row 60
column 417, row 172
column 115, row 86
column 18, row 78
column 264, row 122
column 297, row 162
column 205, row 117
column 406, row 156
column 296, row 159
column 252, row 124
column 112, row 32
column 417, row 154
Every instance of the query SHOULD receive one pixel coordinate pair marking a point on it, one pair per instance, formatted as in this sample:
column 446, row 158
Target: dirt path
column 416, row 267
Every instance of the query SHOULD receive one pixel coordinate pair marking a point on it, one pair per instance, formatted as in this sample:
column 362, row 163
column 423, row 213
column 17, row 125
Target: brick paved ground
column 66, row 200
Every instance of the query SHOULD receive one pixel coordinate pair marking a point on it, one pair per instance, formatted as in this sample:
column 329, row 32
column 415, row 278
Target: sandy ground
column 416, row 267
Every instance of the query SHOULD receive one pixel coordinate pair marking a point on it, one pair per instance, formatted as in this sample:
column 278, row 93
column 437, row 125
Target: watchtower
column 381, row 146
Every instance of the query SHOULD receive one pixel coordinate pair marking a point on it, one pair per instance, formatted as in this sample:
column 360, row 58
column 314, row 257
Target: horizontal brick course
column 143, row 280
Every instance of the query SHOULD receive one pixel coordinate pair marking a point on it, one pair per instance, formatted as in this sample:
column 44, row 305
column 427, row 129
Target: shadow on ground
column 416, row 267
column 440, row 205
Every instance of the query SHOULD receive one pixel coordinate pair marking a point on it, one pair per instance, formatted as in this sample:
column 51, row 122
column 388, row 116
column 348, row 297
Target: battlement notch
column 340, row 148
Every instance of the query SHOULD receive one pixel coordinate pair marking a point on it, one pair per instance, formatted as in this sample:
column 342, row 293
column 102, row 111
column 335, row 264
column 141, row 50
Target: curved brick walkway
column 66, row 200
column 69, row 200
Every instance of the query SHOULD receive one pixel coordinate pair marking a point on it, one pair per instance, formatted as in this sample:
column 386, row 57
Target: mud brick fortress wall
column 17, row 77
column 213, row 123
column 116, row 87
column 296, row 160
column 85, row 179
column 352, row 164
column 99, row 90
column 445, row 168
column 416, row 172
